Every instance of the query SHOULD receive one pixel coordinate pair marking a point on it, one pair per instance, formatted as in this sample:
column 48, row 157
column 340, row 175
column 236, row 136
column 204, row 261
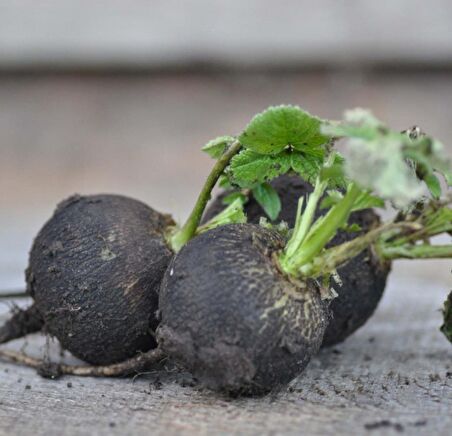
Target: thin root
column 11, row 295
column 52, row 370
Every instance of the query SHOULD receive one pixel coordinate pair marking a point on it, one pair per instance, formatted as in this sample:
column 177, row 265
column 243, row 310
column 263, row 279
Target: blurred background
column 116, row 96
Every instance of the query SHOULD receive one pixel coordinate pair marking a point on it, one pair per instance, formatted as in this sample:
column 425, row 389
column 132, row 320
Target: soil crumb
column 384, row 424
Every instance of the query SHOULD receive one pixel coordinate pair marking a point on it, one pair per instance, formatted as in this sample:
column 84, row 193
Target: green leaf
column 375, row 158
column 421, row 158
column 331, row 199
column 364, row 201
column 306, row 166
column 224, row 182
column 216, row 147
column 352, row 228
column 233, row 214
column 360, row 123
column 268, row 199
column 448, row 177
column 390, row 163
column 229, row 199
column 446, row 328
column 428, row 155
column 334, row 175
column 249, row 168
column 278, row 127
column 433, row 185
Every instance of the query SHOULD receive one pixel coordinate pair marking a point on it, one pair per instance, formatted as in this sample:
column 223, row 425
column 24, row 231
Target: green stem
column 304, row 221
column 422, row 251
column 233, row 214
column 180, row 237
column 424, row 232
column 321, row 233
column 333, row 258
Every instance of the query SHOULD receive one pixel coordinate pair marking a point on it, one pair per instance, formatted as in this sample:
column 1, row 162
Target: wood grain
column 394, row 373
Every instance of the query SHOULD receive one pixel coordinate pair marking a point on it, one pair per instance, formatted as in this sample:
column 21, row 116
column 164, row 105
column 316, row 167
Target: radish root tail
column 47, row 369
column 11, row 295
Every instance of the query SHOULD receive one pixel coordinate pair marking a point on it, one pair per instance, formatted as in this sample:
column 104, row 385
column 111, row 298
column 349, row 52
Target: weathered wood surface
column 395, row 374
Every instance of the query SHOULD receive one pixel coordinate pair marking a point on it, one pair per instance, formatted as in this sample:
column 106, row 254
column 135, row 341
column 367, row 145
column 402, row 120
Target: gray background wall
column 156, row 34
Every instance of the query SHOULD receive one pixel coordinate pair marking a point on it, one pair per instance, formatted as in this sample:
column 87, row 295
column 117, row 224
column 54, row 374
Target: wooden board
column 395, row 374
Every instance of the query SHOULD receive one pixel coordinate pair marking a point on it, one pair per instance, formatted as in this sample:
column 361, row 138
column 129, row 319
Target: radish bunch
column 243, row 306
